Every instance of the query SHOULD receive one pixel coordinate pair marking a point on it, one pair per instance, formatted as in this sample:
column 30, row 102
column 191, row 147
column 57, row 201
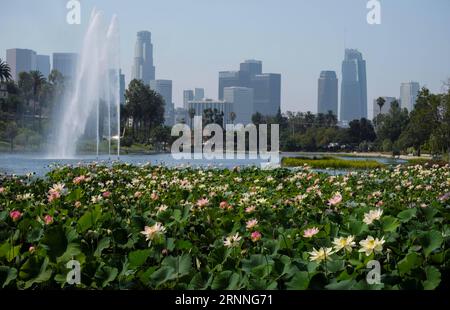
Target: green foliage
column 330, row 162
column 152, row 232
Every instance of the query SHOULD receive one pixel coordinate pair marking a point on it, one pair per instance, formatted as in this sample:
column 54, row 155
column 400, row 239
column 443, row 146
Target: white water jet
column 94, row 95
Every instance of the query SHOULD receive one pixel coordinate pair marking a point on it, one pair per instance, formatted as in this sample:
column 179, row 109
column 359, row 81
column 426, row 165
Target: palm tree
column 5, row 71
column 380, row 102
column 38, row 81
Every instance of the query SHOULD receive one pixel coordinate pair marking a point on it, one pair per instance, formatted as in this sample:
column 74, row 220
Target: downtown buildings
column 21, row 60
column 143, row 68
column 408, row 95
column 266, row 86
column 164, row 88
column 353, row 87
column 66, row 64
column 327, row 98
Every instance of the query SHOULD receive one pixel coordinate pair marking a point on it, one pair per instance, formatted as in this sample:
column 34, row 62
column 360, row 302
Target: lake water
column 21, row 164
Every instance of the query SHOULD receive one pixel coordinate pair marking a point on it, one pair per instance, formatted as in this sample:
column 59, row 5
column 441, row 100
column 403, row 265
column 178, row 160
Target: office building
column 20, row 60
column 408, row 95
column 143, row 68
column 188, row 95
column 164, row 88
column 327, row 94
column 353, row 87
column 266, row 86
column 220, row 106
column 199, row 94
column 43, row 65
column 241, row 99
column 66, row 64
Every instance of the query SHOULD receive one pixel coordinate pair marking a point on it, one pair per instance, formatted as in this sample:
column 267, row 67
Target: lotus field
column 152, row 227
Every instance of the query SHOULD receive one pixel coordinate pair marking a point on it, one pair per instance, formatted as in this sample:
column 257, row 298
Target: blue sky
column 194, row 39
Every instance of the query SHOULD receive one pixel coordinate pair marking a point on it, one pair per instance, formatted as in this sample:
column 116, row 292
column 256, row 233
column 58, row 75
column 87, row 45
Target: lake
column 21, row 164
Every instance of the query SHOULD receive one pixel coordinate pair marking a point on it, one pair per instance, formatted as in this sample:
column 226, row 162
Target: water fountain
column 95, row 86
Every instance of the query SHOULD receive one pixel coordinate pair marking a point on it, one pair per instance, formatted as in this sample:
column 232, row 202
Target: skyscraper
column 266, row 86
column 408, row 95
column 241, row 99
column 143, row 68
column 164, row 88
column 199, row 94
column 267, row 93
column 20, row 60
column 327, row 93
column 252, row 67
column 66, row 64
column 43, row 65
column 188, row 95
column 353, row 86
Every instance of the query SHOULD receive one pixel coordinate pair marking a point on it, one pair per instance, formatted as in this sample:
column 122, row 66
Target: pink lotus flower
column 251, row 224
column 48, row 219
column 31, row 249
column 380, row 203
column 310, row 232
column 202, row 202
column 106, row 194
column 15, row 215
column 223, row 205
column 337, row 199
column 250, row 209
column 255, row 236
column 137, row 195
column 2, row 190
column 154, row 196
column 53, row 195
column 79, row 179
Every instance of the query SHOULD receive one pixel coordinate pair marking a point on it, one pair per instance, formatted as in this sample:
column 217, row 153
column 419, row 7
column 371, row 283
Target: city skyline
column 393, row 49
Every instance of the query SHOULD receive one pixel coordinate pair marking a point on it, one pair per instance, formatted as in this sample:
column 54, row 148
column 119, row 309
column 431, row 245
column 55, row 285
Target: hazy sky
column 195, row 39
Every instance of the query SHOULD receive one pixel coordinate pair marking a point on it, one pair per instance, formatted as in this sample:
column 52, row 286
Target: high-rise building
column 122, row 87
column 408, row 95
column 220, row 106
column 266, row 86
column 164, row 88
column 267, row 93
column 43, row 65
column 181, row 116
column 143, row 68
column 353, row 86
column 20, row 60
column 385, row 107
column 327, row 95
column 199, row 94
column 252, row 67
column 228, row 79
column 241, row 99
column 66, row 64
column 188, row 95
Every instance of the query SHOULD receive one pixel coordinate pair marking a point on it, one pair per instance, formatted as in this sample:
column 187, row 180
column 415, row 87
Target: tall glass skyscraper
column 327, row 94
column 66, row 64
column 408, row 95
column 143, row 68
column 353, row 86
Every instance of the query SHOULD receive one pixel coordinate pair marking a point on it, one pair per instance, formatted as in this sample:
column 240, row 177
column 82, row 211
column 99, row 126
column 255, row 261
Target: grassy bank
column 330, row 162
